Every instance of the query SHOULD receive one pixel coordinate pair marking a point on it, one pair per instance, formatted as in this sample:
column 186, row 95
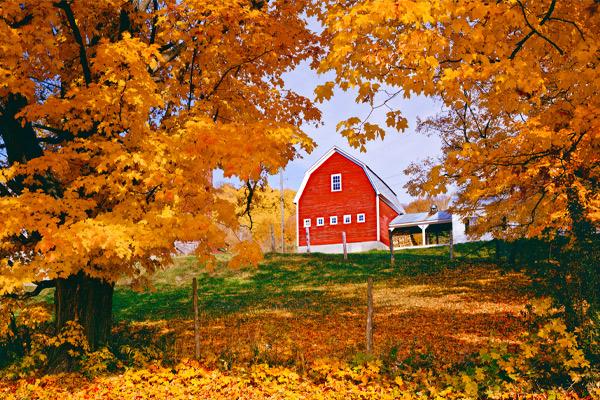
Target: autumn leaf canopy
column 518, row 81
column 114, row 115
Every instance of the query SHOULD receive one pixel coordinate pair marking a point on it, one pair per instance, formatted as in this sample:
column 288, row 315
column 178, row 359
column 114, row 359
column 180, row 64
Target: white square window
column 333, row 220
column 320, row 221
column 347, row 219
column 307, row 222
column 360, row 218
column 336, row 182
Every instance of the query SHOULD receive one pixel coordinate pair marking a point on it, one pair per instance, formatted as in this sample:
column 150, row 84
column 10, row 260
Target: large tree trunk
column 87, row 301
column 79, row 297
column 19, row 138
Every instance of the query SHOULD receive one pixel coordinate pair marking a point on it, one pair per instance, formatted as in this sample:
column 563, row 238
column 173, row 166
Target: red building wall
column 386, row 214
column 317, row 200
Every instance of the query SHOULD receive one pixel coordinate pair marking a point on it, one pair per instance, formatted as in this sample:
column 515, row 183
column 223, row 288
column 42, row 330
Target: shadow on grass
column 297, row 283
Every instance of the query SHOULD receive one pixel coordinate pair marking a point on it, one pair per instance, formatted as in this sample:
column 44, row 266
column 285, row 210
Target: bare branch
column 251, row 186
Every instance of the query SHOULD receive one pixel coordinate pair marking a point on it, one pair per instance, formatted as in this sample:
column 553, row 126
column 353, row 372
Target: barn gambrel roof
column 381, row 188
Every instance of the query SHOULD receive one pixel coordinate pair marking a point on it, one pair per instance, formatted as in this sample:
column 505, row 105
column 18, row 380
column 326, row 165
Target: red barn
column 338, row 194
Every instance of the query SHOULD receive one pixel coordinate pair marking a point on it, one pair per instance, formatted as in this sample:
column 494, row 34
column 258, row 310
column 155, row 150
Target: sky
column 388, row 157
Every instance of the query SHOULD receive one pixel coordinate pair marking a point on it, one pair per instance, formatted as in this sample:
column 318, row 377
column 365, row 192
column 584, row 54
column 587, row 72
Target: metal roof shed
column 422, row 220
column 416, row 219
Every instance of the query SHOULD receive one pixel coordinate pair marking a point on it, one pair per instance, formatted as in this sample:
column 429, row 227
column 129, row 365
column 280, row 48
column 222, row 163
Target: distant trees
column 423, row 204
column 260, row 220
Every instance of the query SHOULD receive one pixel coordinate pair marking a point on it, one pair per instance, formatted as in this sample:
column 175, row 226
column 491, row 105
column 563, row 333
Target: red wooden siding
column 317, row 200
column 386, row 214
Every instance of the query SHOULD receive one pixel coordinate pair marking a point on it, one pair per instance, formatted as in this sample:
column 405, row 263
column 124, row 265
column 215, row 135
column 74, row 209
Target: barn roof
column 413, row 219
column 381, row 188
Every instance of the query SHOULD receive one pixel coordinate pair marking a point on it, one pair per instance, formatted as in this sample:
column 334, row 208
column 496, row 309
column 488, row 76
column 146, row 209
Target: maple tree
column 113, row 116
column 259, row 214
column 518, row 81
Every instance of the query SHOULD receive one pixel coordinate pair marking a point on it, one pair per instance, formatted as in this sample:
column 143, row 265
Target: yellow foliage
column 246, row 254
column 518, row 81
column 121, row 112
column 189, row 379
column 265, row 211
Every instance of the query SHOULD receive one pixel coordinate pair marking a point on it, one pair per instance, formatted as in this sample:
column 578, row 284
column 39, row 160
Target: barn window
column 360, row 217
column 347, row 219
column 333, row 220
column 336, row 182
column 320, row 221
column 307, row 222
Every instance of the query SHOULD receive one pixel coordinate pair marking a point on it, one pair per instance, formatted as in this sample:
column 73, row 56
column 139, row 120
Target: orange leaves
column 245, row 253
column 358, row 132
column 324, row 92
column 133, row 123
column 394, row 119
column 516, row 83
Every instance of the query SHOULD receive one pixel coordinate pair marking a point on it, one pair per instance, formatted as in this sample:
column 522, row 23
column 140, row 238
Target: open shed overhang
column 417, row 219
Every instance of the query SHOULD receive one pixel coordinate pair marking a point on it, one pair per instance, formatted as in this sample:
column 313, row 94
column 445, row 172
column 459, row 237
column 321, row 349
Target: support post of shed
column 391, row 245
column 424, row 235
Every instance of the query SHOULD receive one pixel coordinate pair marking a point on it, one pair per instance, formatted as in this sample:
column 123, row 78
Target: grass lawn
column 296, row 308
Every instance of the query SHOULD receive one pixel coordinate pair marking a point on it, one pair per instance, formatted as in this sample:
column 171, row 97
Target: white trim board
column 338, row 248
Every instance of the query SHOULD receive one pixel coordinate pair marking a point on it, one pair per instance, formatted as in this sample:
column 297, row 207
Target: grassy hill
column 294, row 308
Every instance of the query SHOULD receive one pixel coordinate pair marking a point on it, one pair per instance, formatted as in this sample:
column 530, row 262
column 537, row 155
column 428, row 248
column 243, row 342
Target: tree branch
column 61, row 135
column 566, row 21
column 38, row 289
column 17, row 24
column 66, row 7
column 251, row 190
column 191, row 90
column 152, row 193
column 154, row 22
column 535, row 31
column 549, row 13
column 233, row 67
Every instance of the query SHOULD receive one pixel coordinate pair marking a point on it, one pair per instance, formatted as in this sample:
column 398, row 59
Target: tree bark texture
column 89, row 302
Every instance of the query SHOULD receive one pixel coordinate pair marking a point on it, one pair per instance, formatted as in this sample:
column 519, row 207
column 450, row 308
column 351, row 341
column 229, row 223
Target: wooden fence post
column 307, row 240
column 272, row 239
column 196, row 322
column 370, row 315
column 451, row 244
column 345, row 246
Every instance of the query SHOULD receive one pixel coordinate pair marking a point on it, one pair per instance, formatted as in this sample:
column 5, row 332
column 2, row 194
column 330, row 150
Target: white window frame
column 320, row 221
column 358, row 218
column 333, row 220
column 307, row 222
column 333, row 176
column 349, row 218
